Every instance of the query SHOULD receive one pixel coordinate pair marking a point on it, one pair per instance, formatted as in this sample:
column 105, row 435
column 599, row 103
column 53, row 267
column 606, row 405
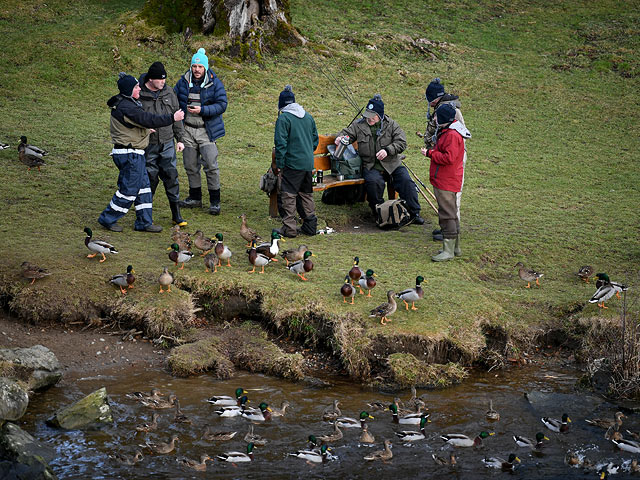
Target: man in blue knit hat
column 380, row 143
column 203, row 99
column 130, row 130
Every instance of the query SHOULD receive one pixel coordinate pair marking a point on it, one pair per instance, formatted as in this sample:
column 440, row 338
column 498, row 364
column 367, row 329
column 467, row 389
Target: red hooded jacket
column 446, row 169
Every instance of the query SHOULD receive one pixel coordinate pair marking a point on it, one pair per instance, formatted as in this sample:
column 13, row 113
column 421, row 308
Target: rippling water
column 460, row 409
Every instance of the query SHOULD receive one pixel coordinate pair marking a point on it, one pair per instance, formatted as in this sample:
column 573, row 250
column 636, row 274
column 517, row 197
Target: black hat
column 156, row 71
column 434, row 90
column 126, row 83
column 374, row 107
column 286, row 97
column 445, row 114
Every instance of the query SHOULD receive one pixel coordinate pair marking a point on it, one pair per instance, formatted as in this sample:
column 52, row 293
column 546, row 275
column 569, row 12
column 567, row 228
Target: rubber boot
column 448, row 244
column 175, row 215
column 456, row 250
column 194, row 199
column 214, row 198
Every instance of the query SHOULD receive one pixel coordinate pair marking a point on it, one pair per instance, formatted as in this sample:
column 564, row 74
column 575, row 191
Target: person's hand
column 424, row 151
column 420, row 134
column 178, row 116
column 194, row 109
column 152, row 130
column 179, row 147
column 337, row 140
column 382, row 154
column 275, row 170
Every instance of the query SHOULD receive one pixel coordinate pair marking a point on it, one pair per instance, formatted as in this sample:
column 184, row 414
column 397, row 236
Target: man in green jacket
column 295, row 138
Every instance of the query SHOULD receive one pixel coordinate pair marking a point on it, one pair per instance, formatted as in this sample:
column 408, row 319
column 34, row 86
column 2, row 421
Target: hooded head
column 286, row 97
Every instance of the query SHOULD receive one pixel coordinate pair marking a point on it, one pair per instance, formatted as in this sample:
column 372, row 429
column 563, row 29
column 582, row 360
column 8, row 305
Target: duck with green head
column 220, row 400
column 412, row 294
column 525, row 442
column 97, row 246
column 413, row 436
column 368, row 282
column 501, row 463
column 555, row 425
column 260, row 414
column 347, row 290
column 124, row 280
column 408, row 419
column 257, row 259
column 348, row 422
column 237, row 457
column 606, row 290
column 314, row 456
column 222, row 251
column 356, row 273
column 179, row 256
column 271, row 249
column 460, row 440
column 302, row 266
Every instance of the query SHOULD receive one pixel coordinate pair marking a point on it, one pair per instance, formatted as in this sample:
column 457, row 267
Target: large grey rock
column 13, row 399
column 37, row 366
column 92, row 411
column 22, row 456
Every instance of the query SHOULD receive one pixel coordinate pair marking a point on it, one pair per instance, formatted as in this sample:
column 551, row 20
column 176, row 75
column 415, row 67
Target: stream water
column 461, row 409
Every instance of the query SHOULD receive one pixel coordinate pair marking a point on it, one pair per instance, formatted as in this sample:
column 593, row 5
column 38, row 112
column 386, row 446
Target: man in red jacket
column 445, row 173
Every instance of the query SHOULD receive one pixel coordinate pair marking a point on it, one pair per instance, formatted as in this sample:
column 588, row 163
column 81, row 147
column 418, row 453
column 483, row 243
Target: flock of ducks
column 411, row 412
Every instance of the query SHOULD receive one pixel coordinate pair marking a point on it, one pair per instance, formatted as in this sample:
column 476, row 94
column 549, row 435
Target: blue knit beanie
column 286, row 97
column 374, row 107
column 446, row 114
column 126, row 84
column 200, row 58
column 434, row 90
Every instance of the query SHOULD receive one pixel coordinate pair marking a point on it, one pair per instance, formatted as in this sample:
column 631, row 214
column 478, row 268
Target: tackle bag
column 268, row 182
column 349, row 164
column 392, row 214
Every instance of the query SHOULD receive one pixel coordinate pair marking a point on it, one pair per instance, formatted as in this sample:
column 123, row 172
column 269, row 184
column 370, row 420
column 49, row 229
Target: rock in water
column 13, row 400
column 93, row 410
column 37, row 365
column 23, row 456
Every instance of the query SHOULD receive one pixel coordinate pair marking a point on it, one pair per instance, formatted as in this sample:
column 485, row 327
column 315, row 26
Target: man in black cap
column 158, row 98
column 380, row 143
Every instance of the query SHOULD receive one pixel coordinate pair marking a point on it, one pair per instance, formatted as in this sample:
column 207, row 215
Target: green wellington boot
column 447, row 251
column 456, row 250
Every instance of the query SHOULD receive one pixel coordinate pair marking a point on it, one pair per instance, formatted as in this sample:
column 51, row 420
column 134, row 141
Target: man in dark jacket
column 203, row 99
column 380, row 143
column 158, row 98
column 295, row 139
column 130, row 126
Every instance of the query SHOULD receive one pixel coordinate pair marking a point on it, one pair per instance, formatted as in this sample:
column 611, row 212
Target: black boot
column 214, row 197
column 194, row 199
column 175, row 215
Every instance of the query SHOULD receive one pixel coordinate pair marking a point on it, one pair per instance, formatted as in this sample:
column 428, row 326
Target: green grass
column 549, row 92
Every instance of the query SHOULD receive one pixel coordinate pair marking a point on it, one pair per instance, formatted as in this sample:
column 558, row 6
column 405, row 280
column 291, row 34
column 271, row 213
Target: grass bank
column 549, row 93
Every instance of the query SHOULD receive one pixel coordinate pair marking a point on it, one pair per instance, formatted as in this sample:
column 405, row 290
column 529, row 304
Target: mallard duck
column 257, row 259
column 443, row 461
column 613, row 433
column 331, row 412
column 571, row 458
column 528, row 275
column 179, row 416
column 251, row 437
column 123, row 280
column 608, row 469
column 585, row 272
column 315, row 456
column 413, row 436
column 302, row 266
column 97, row 246
column 505, row 465
column 222, row 251
column 409, row 419
column 385, row 310
column 491, row 413
column 366, row 436
column 607, row 422
column 634, row 467
column 162, row 447
column 416, row 403
column 237, row 457
column 459, row 440
column 200, row 466
column 159, row 403
column 127, row 459
column 30, row 155
column 155, row 394
column 226, row 400
column 4, row 146
column 203, row 243
column 32, row 271
column 179, row 256
column 151, row 426
column 525, row 442
column 270, row 249
column 248, row 234
column 280, row 412
column 606, row 290
column 555, row 425
column 294, row 254
column 331, row 437
column 368, row 282
column 348, row 422
column 377, row 406
column 233, row 410
column 260, row 414
column 211, row 262
column 183, row 239
column 347, row 290
column 217, row 436
column 356, row 272
column 383, row 455
column 165, row 279
column 630, row 446
column 412, row 294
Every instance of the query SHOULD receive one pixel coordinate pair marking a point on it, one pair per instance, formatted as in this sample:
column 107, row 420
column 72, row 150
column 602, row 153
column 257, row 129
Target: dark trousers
column 161, row 165
column 447, row 212
column 375, row 182
column 296, row 194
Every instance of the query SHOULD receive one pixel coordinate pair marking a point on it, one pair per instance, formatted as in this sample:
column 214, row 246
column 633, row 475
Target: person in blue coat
column 203, row 99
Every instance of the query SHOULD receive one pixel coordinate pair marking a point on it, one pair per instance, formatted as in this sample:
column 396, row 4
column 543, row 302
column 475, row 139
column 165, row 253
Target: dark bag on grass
column 349, row 164
column 268, row 182
column 392, row 214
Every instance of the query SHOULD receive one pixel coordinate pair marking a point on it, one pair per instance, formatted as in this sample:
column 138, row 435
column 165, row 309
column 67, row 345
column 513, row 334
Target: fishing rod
column 344, row 91
column 420, row 181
